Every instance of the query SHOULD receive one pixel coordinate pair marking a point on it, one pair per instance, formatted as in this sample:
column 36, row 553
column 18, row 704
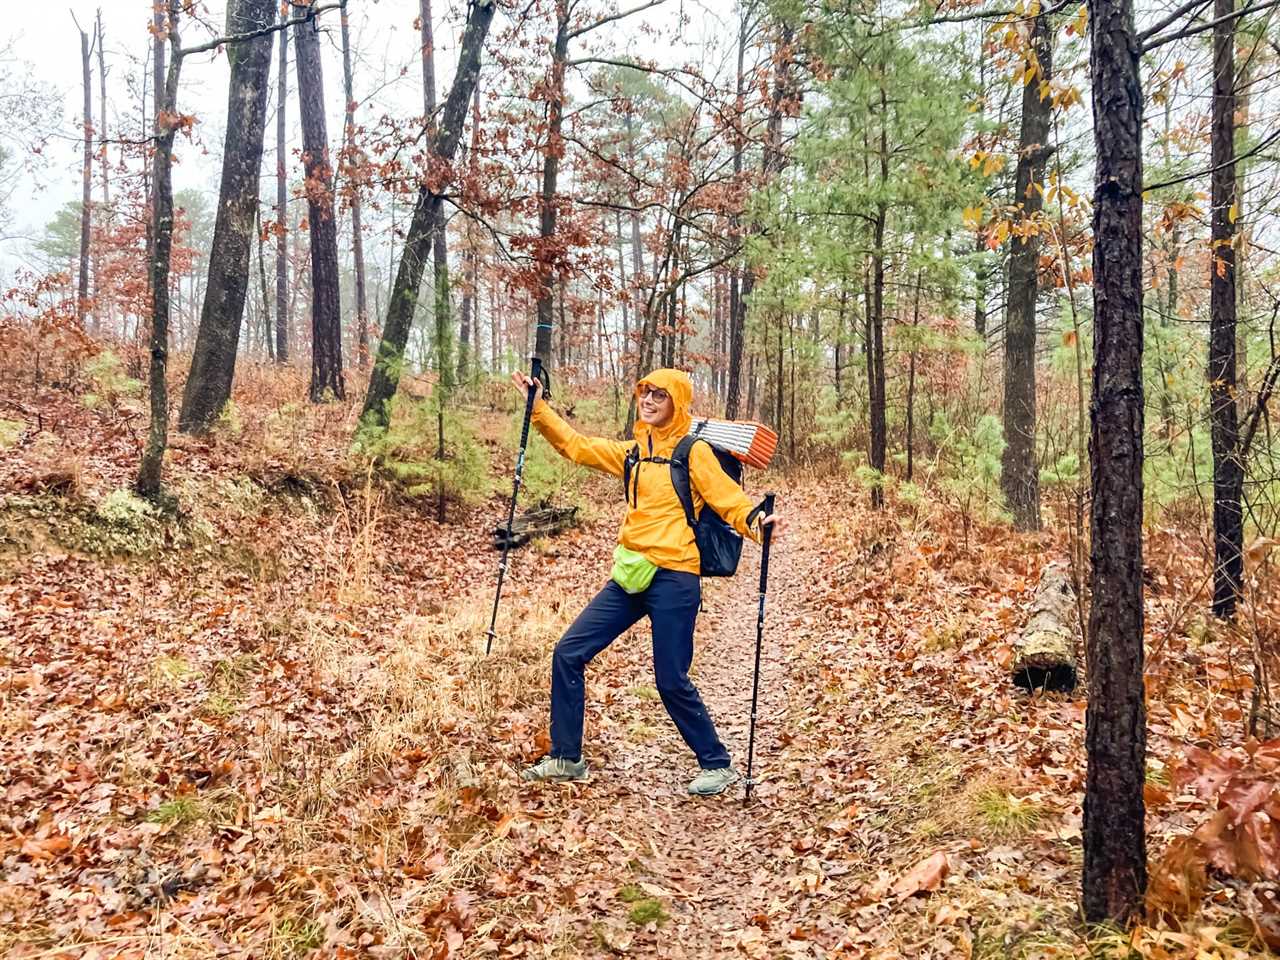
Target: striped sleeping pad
column 752, row 443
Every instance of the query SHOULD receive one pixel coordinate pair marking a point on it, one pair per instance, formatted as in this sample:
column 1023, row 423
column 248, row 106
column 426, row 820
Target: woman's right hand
column 523, row 382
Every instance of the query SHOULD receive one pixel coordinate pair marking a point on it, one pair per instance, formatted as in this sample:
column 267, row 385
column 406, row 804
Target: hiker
column 656, row 573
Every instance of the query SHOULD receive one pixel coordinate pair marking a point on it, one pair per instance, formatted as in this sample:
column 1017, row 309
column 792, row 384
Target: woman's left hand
column 776, row 522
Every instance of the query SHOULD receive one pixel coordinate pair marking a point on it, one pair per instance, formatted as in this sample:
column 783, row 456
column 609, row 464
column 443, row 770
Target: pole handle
column 767, row 507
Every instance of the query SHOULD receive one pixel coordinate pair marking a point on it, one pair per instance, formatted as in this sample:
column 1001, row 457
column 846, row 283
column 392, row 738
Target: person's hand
column 523, row 382
column 776, row 522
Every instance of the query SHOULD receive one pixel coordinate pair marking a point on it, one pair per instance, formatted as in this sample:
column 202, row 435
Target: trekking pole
column 767, row 507
column 535, row 374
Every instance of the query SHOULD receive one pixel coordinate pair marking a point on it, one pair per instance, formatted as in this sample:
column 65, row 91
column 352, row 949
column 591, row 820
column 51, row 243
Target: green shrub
column 110, row 383
column 406, row 452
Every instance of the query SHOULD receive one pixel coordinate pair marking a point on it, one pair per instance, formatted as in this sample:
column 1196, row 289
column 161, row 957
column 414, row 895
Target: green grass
column 644, row 908
column 172, row 671
column 179, row 810
column 1008, row 815
column 644, row 693
column 295, row 936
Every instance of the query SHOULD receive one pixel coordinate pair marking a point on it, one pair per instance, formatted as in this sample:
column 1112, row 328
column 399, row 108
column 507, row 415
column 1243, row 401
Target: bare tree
column 357, row 238
column 1019, row 475
column 404, row 294
column 86, row 193
column 1115, row 859
column 213, row 361
column 282, row 198
column 326, row 303
column 1228, row 466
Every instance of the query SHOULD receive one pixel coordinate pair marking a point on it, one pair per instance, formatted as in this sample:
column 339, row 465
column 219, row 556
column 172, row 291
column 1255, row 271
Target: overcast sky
column 44, row 40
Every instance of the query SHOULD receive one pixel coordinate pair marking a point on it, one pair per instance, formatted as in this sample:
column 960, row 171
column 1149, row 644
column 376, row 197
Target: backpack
column 719, row 545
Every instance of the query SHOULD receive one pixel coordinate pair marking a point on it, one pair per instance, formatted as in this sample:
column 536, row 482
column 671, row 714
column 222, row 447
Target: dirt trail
column 713, row 864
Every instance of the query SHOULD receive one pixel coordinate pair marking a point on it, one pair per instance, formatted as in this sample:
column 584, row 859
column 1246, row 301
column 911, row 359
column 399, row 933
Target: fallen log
column 1045, row 648
column 544, row 522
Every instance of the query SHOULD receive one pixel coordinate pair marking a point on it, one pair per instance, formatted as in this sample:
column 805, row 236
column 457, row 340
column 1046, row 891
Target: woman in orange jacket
column 655, row 573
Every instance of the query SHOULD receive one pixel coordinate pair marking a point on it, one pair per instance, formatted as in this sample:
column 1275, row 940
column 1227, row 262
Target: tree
column 86, row 178
column 357, row 237
column 282, row 198
column 441, row 300
column 326, row 303
column 218, row 338
column 167, row 123
column 547, row 252
column 404, row 293
column 1019, row 473
column 1115, row 860
column 1228, row 467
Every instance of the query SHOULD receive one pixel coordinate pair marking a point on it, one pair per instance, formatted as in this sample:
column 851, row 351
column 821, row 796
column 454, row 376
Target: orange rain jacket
column 655, row 525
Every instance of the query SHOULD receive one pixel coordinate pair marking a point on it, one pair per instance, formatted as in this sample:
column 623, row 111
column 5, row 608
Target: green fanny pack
column 631, row 571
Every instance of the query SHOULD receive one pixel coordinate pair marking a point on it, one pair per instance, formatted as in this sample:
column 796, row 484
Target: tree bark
column 1115, row 862
column 441, row 302
column 213, row 362
column 100, row 312
column 357, row 235
column 1019, row 476
column 326, row 303
column 86, row 177
column 404, row 295
column 741, row 279
column 1228, row 471
column 1044, row 649
column 282, row 202
column 878, row 434
column 548, row 267
column 150, row 470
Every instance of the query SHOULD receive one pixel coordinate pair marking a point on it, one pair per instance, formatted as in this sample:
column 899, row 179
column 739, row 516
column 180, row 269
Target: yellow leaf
column 1232, row 213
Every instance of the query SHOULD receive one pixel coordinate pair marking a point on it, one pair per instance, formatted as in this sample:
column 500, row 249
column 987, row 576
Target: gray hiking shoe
column 710, row 782
column 556, row 769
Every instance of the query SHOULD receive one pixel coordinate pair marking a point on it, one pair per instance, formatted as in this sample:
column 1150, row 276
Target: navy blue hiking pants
column 671, row 603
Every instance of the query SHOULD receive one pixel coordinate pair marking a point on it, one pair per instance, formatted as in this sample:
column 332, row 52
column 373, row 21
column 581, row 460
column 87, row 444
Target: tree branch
column 620, row 15
column 1150, row 45
column 1258, row 148
column 311, row 14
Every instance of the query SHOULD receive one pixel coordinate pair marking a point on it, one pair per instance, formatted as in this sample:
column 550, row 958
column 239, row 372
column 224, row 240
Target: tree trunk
column 1228, row 471
column 469, row 332
column 150, row 470
column 102, row 315
column 1045, row 648
column 1115, row 861
column 282, row 202
column 741, row 279
column 86, row 178
column 548, row 267
column 213, row 361
column 326, row 303
column 264, row 291
column 1019, row 476
column 357, row 235
column 404, row 294
column 441, row 302
column 875, row 358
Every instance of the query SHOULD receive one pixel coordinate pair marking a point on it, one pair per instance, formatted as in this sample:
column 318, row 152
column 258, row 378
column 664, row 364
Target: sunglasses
column 654, row 394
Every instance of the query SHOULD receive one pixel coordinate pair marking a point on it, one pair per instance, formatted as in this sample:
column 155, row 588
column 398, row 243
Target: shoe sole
column 581, row 779
column 715, row 793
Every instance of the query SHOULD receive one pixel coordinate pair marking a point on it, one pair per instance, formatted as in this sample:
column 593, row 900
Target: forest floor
column 263, row 725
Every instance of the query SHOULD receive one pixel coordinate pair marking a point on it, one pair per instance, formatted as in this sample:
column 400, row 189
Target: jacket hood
column 680, row 388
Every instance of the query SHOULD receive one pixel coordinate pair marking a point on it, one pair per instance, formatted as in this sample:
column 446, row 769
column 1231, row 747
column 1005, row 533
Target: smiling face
column 656, row 406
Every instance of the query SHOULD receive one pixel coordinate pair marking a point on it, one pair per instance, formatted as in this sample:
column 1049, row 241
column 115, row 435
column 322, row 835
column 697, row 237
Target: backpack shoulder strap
column 680, row 475
column 629, row 464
